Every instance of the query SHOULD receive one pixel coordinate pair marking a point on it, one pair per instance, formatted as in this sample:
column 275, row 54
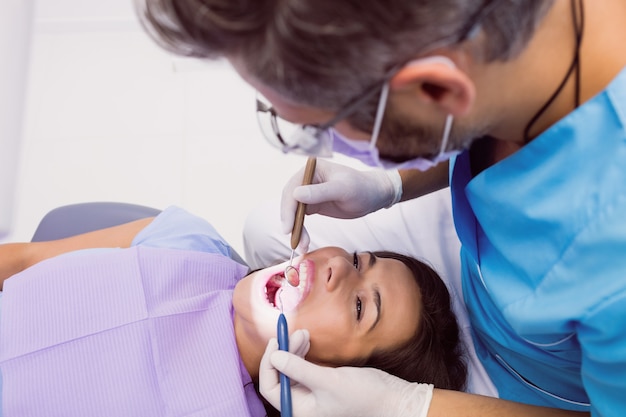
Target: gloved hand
column 340, row 392
column 338, row 191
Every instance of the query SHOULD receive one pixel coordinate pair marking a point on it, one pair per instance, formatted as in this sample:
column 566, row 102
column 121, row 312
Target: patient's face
column 350, row 306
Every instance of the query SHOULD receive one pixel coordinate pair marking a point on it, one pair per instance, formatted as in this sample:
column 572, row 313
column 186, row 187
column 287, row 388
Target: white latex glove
column 338, row 191
column 340, row 392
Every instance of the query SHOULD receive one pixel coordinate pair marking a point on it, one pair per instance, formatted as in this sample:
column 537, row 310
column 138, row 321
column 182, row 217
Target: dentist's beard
column 403, row 139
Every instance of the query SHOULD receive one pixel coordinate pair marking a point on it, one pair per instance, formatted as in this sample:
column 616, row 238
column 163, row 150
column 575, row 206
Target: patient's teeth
column 302, row 272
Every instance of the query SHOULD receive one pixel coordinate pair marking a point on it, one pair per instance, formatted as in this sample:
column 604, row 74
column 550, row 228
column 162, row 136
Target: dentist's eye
column 356, row 261
column 358, row 308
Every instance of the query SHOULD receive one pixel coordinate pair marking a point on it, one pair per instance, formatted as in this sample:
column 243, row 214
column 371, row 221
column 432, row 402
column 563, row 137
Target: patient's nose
column 342, row 273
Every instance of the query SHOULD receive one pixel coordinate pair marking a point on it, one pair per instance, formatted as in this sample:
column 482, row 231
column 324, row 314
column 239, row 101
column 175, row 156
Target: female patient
column 163, row 322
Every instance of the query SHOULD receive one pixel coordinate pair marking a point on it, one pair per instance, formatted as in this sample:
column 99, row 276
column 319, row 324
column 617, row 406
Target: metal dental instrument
column 283, row 344
column 291, row 273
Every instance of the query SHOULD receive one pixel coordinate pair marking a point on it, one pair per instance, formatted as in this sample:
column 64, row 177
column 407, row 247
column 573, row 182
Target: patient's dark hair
column 434, row 354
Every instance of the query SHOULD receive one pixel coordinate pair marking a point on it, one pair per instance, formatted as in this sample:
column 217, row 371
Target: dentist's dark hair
column 435, row 353
column 322, row 53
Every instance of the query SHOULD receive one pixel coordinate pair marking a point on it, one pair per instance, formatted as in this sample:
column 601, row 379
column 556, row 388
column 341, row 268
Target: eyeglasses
column 310, row 140
column 317, row 140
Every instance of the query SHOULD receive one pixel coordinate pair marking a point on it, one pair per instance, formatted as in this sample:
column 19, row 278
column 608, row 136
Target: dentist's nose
column 340, row 273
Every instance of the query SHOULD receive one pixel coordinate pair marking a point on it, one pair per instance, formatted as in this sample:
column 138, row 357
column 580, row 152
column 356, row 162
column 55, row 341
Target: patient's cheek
column 241, row 297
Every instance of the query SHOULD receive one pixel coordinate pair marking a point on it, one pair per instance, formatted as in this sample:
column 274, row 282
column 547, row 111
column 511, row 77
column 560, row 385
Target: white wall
column 16, row 21
column 110, row 117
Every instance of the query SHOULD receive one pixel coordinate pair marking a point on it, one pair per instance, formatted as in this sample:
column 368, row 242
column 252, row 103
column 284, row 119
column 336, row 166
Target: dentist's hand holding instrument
column 320, row 391
column 338, row 191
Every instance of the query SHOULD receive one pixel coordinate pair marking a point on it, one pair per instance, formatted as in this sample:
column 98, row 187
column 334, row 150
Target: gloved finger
column 311, row 376
column 299, row 343
column 321, row 193
column 269, row 380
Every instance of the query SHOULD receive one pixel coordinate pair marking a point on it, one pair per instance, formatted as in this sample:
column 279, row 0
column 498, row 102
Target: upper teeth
column 302, row 275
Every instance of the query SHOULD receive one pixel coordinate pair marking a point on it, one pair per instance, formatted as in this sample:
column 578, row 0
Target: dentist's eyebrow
column 377, row 301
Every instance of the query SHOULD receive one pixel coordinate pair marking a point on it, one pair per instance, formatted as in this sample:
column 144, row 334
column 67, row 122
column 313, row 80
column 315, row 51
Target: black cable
column 575, row 65
column 579, row 38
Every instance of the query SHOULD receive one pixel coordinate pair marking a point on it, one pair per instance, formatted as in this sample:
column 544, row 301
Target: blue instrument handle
column 285, row 383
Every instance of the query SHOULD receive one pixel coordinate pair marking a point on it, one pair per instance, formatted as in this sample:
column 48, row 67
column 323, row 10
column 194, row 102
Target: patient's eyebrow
column 372, row 260
column 377, row 300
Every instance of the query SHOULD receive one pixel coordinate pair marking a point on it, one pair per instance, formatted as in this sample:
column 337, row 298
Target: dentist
column 531, row 97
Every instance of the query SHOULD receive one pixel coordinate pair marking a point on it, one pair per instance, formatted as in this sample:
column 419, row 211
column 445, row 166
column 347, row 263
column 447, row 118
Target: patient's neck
column 251, row 349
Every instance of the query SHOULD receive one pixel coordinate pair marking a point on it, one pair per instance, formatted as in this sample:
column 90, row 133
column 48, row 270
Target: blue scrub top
column 543, row 236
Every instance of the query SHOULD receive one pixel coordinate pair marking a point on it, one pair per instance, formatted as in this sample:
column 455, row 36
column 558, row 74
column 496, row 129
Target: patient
column 154, row 318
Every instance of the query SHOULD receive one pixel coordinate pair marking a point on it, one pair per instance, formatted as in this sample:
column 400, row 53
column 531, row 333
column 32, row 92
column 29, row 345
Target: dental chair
column 74, row 219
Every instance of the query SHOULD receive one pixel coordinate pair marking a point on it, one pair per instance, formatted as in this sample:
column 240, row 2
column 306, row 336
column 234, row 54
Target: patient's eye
column 356, row 261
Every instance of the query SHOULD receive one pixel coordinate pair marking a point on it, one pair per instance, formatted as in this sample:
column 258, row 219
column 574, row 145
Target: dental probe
column 298, row 223
column 283, row 344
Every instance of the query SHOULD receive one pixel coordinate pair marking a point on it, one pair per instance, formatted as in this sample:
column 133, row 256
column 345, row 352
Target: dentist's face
column 410, row 128
column 352, row 304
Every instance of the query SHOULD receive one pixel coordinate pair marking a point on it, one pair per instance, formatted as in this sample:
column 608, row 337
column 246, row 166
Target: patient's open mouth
column 290, row 296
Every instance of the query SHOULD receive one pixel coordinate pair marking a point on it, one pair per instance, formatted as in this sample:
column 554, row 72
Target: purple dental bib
column 124, row 332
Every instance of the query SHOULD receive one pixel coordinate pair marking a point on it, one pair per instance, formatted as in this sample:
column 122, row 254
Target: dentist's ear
column 437, row 80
